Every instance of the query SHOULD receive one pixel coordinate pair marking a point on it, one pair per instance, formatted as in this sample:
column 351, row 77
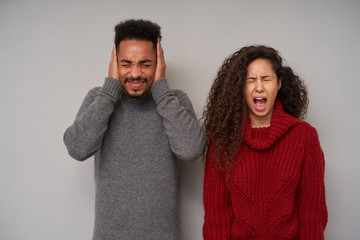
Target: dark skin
column 137, row 60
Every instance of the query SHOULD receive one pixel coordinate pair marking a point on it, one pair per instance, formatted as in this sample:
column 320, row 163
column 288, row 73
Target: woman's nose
column 259, row 86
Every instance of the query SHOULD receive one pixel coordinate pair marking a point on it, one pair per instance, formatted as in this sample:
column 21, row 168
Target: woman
column 264, row 174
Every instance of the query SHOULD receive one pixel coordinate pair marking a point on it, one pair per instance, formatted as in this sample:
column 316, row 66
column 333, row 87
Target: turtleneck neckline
column 136, row 100
column 264, row 137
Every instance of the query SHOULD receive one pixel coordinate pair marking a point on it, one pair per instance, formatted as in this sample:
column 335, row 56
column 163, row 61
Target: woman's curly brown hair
column 226, row 110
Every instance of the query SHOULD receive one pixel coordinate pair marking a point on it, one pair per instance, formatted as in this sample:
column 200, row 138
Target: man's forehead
column 136, row 51
column 127, row 45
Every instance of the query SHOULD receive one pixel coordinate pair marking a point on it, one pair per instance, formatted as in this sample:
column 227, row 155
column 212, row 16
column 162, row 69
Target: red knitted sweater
column 276, row 186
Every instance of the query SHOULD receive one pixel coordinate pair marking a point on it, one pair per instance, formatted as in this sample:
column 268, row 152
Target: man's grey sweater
column 136, row 142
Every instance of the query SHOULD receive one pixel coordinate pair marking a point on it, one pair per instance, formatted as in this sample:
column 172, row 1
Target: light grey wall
column 52, row 53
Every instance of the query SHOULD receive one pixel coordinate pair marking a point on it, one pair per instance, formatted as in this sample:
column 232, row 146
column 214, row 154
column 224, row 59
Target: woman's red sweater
column 275, row 189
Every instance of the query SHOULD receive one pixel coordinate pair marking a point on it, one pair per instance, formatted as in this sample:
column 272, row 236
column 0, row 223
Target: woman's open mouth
column 260, row 103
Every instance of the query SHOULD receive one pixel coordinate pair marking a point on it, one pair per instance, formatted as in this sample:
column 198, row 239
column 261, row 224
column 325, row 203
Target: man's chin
column 138, row 94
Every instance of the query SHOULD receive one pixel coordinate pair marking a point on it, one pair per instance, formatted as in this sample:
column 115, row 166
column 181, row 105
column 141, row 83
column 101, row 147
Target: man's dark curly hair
column 137, row 29
column 225, row 114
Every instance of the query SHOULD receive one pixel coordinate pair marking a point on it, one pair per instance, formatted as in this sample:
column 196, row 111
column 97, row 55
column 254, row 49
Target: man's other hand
column 160, row 63
column 113, row 66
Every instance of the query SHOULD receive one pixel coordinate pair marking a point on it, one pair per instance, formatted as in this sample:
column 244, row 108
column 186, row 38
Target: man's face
column 137, row 63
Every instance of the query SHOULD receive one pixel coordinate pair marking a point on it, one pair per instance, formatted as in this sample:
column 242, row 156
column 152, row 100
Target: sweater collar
column 264, row 138
column 136, row 100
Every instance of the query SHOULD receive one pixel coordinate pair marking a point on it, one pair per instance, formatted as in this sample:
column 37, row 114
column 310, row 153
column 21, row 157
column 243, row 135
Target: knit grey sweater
column 135, row 142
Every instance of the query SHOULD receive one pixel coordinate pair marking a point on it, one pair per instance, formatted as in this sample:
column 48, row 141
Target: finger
column 160, row 52
column 113, row 67
column 113, row 54
column 160, row 65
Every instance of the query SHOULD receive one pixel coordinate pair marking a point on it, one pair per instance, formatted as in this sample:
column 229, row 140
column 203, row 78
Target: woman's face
column 260, row 90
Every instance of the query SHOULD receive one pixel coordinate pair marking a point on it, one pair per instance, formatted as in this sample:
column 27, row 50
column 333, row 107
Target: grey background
column 52, row 53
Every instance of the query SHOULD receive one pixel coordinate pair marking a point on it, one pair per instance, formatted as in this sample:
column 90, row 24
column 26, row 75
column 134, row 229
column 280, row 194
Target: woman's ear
column 279, row 84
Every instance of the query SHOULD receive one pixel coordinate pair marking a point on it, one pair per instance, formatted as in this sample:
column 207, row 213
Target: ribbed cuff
column 112, row 87
column 159, row 88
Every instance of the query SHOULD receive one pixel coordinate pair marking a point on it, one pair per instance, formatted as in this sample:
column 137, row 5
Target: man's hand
column 113, row 66
column 160, row 63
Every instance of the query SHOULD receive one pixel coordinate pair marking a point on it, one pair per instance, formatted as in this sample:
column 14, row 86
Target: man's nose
column 135, row 71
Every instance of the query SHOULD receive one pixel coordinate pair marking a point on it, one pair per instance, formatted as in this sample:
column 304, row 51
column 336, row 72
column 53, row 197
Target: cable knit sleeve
column 84, row 137
column 217, row 203
column 186, row 136
column 311, row 191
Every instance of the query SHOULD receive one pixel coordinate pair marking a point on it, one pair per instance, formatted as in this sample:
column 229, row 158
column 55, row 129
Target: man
column 136, row 127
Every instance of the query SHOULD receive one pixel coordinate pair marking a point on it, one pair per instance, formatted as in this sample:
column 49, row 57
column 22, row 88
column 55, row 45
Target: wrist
column 112, row 87
column 159, row 87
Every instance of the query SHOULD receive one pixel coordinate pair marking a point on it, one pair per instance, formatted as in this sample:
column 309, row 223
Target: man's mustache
column 139, row 79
